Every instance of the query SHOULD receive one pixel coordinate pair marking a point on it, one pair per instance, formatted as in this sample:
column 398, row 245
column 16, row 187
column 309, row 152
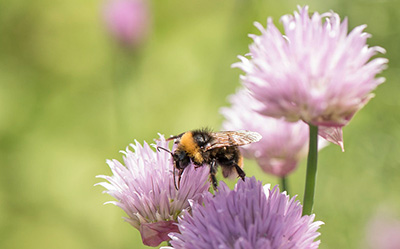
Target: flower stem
column 284, row 186
column 311, row 174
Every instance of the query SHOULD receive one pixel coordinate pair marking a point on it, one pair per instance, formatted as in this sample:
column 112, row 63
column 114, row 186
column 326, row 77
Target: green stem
column 311, row 174
column 284, row 186
column 125, row 63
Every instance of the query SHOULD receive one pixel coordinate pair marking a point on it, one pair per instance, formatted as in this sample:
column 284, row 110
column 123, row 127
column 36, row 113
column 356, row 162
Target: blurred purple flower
column 383, row 232
column 250, row 216
column 127, row 21
column 283, row 144
column 315, row 72
column 145, row 190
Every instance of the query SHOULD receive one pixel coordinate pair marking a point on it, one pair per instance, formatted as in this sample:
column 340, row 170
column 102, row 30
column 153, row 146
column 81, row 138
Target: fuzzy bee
column 204, row 147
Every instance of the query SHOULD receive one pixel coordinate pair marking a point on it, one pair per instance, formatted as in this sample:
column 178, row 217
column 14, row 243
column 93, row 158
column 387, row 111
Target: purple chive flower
column 283, row 143
column 145, row 190
column 250, row 216
column 315, row 71
column 127, row 21
column 383, row 232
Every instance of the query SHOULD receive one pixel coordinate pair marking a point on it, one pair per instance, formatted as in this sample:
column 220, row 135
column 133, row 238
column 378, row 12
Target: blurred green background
column 70, row 99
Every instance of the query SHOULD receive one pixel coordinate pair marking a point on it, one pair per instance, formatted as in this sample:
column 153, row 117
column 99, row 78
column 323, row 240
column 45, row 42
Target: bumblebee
column 204, row 147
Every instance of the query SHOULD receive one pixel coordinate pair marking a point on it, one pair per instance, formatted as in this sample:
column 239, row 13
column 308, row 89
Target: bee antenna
column 171, row 138
column 172, row 154
column 176, row 187
column 159, row 147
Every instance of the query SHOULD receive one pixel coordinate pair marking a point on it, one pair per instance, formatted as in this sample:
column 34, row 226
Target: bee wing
column 232, row 138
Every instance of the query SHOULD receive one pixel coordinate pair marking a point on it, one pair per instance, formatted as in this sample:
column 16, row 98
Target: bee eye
column 182, row 156
column 201, row 139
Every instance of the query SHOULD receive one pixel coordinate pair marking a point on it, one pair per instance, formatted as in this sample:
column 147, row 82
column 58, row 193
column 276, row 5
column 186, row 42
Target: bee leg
column 240, row 171
column 213, row 171
column 179, row 178
column 176, row 187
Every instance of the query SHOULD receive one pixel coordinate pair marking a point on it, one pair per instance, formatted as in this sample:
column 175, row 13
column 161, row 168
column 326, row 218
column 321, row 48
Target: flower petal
column 155, row 233
column 332, row 134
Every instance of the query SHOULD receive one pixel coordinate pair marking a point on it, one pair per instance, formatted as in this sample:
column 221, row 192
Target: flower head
column 314, row 72
column 127, row 20
column 283, row 143
column 383, row 231
column 250, row 216
column 145, row 190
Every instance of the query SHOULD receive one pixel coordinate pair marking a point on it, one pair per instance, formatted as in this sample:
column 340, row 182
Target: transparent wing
column 232, row 138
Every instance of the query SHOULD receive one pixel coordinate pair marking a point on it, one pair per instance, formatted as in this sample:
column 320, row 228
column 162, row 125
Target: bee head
column 181, row 159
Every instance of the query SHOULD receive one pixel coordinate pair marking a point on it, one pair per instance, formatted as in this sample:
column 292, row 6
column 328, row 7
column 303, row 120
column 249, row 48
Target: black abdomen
column 227, row 156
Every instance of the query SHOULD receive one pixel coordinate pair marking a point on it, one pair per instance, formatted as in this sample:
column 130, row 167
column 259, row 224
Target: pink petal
column 155, row 233
column 332, row 134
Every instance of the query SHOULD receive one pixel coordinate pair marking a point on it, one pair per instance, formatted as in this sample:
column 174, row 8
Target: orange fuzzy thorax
column 189, row 145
